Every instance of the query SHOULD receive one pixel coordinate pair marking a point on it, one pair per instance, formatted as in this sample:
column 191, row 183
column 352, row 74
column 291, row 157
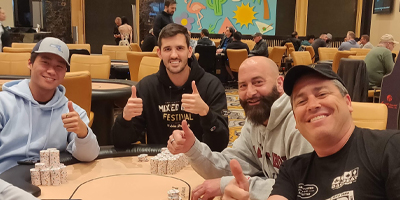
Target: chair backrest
column 290, row 50
column 236, row 57
column 355, row 78
column 135, row 47
column 207, row 57
column 216, row 41
column 79, row 46
column 148, row 66
column 301, row 58
column 16, row 50
column 250, row 43
column 339, row 55
column 270, row 49
column 23, row 45
column 98, row 65
column 310, row 49
column 276, row 54
column 289, row 44
column 134, row 59
column 360, row 52
column 370, row 115
column 357, row 57
column 115, row 52
column 78, row 87
column 14, row 64
column 155, row 48
column 326, row 53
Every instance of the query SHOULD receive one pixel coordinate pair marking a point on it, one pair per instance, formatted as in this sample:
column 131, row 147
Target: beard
column 259, row 113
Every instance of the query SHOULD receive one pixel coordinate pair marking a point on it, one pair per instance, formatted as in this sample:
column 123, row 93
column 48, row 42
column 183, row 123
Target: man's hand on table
column 193, row 103
column 181, row 140
column 238, row 188
column 207, row 190
column 133, row 107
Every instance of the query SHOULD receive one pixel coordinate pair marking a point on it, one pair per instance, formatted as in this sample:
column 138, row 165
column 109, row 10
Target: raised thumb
column 194, row 88
column 133, row 92
column 186, row 129
column 70, row 107
column 238, row 174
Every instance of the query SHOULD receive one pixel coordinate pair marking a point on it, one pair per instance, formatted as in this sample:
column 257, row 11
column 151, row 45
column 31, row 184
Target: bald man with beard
column 268, row 137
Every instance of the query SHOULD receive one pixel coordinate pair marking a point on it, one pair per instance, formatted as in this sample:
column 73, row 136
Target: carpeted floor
column 236, row 114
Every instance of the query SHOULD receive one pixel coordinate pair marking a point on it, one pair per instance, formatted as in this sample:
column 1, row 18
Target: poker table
column 115, row 174
column 106, row 94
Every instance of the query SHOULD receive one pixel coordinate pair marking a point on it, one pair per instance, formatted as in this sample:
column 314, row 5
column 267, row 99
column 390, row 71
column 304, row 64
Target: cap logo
column 312, row 66
column 57, row 46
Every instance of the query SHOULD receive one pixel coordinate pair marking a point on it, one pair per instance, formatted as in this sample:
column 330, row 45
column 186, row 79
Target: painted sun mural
column 246, row 16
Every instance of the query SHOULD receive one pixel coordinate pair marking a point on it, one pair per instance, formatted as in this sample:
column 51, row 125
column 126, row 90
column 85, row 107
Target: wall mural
column 247, row 16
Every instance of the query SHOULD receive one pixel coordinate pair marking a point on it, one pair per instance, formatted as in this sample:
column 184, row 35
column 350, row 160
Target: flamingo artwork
column 195, row 8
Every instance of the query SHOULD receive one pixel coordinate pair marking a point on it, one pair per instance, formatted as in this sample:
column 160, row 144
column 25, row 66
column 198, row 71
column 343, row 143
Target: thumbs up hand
column 181, row 140
column 238, row 188
column 134, row 106
column 193, row 103
column 73, row 122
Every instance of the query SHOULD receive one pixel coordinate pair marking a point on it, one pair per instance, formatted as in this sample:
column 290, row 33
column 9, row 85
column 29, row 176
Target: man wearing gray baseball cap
column 36, row 115
column 379, row 60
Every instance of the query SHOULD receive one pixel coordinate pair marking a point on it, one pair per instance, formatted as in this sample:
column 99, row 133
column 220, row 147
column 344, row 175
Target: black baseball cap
column 299, row 71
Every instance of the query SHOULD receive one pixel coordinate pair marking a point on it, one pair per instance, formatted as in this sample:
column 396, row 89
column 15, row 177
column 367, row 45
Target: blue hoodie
column 26, row 127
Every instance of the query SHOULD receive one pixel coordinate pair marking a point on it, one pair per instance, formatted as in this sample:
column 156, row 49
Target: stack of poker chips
column 166, row 163
column 143, row 158
column 49, row 171
column 173, row 194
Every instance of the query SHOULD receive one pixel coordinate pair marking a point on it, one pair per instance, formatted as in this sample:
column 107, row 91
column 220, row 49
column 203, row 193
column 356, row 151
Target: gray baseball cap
column 54, row 46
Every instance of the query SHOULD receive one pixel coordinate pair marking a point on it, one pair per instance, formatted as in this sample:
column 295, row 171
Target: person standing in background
column 117, row 35
column 125, row 30
column 4, row 35
column 165, row 17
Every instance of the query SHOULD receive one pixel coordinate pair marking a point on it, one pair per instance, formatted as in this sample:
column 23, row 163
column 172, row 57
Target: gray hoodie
column 346, row 46
column 10, row 192
column 260, row 150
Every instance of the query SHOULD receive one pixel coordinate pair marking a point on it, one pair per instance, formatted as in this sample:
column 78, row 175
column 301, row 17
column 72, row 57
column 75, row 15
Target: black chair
column 76, row 51
column 354, row 75
column 207, row 57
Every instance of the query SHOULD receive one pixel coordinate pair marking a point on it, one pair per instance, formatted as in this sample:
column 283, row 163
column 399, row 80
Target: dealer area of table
column 119, row 178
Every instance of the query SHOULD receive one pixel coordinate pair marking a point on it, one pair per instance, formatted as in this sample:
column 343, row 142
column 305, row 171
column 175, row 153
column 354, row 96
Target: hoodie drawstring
column 28, row 144
column 48, row 133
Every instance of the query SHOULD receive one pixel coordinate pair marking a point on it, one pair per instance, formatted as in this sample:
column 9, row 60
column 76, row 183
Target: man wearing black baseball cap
column 36, row 115
column 261, row 47
column 348, row 162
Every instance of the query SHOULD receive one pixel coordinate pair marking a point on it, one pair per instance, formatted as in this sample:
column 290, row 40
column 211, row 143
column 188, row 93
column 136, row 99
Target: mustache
column 259, row 113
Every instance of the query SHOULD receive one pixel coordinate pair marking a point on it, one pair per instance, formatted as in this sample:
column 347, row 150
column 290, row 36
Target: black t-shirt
column 367, row 167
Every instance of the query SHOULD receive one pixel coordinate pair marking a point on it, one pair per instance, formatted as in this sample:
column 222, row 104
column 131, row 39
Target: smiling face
column 259, row 86
column 322, row 113
column 175, row 53
column 47, row 73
